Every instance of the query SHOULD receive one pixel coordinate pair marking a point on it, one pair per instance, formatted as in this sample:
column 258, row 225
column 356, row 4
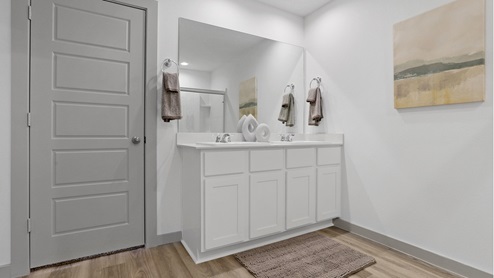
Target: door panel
column 76, row 120
column 76, row 167
column 66, row 17
column 90, row 74
column 87, row 102
column 75, row 214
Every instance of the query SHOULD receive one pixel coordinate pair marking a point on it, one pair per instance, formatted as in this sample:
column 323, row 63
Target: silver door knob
column 136, row 140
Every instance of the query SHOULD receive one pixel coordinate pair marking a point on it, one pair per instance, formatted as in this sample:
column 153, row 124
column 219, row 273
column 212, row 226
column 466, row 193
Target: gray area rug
column 310, row 255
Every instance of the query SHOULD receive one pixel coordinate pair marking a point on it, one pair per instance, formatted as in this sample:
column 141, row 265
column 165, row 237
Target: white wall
column 5, row 128
column 240, row 15
column 421, row 175
column 195, row 79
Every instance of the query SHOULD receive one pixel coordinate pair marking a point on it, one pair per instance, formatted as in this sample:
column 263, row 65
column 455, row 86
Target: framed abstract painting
column 439, row 56
column 248, row 98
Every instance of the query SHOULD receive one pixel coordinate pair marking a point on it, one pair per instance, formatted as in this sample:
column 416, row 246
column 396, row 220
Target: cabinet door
column 328, row 192
column 300, row 197
column 267, row 203
column 225, row 210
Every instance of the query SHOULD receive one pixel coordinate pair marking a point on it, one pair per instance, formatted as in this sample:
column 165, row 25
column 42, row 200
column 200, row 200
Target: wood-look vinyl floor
column 172, row 260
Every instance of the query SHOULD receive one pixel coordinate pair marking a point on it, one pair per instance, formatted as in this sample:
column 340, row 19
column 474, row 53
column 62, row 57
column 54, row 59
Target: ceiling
column 298, row 7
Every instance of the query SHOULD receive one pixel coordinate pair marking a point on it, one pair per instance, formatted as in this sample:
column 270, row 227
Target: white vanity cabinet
column 328, row 182
column 225, row 206
column 225, row 210
column 266, row 192
column 300, row 187
column 238, row 198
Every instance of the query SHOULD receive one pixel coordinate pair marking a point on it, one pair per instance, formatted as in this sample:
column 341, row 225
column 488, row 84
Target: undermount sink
column 297, row 142
column 238, row 143
column 271, row 143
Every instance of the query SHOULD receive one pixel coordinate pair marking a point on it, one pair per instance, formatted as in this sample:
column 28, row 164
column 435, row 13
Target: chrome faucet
column 223, row 138
column 287, row 137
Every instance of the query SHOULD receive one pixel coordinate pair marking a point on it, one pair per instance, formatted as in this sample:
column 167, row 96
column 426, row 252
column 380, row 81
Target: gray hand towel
column 171, row 82
column 287, row 110
column 291, row 114
column 170, row 98
column 311, row 96
column 315, row 106
column 286, row 100
column 284, row 111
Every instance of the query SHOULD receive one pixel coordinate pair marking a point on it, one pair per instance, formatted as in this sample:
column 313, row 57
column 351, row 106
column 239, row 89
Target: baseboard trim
column 421, row 254
column 169, row 238
column 5, row 271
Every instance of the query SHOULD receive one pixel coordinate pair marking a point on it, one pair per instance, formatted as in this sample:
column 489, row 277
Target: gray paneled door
column 87, row 104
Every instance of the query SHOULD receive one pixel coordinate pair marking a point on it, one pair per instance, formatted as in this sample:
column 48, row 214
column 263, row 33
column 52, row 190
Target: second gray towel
column 170, row 98
column 287, row 110
column 315, row 106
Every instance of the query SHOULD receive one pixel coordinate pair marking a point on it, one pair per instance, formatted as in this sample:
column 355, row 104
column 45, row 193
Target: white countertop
column 308, row 140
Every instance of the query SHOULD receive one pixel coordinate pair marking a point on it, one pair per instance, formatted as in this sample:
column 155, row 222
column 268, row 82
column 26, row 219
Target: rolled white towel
column 240, row 123
column 263, row 133
column 249, row 128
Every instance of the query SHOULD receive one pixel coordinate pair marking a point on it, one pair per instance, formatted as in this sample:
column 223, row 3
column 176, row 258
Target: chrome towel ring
column 168, row 63
column 318, row 80
column 291, row 86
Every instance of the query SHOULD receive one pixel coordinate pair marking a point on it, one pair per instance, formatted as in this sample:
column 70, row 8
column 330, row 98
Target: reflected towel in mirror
column 287, row 110
column 315, row 106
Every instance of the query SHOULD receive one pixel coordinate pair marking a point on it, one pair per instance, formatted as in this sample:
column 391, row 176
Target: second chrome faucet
column 287, row 137
column 223, row 138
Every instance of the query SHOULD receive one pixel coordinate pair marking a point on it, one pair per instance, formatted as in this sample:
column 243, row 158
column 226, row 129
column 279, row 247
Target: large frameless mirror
column 233, row 73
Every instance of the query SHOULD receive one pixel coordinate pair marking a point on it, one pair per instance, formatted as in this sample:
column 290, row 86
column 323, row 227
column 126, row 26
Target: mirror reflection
column 252, row 72
column 202, row 111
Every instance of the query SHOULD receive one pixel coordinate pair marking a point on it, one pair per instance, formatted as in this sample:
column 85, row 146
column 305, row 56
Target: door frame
column 20, row 104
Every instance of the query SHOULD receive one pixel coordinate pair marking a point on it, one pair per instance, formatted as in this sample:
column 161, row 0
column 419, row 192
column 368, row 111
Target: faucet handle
column 226, row 138
column 218, row 137
column 287, row 137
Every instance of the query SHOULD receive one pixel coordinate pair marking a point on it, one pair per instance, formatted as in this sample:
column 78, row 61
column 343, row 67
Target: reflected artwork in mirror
column 220, row 60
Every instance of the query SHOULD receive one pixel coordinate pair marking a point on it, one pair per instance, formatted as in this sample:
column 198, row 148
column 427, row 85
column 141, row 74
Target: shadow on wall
column 357, row 186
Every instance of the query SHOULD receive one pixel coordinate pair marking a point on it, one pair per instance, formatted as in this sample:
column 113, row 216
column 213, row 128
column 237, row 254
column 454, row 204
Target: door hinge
column 144, row 139
column 29, row 11
column 29, row 225
column 29, row 119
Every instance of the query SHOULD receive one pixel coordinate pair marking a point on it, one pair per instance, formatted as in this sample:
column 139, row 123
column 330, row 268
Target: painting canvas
column 248, row 97
column 439, row 56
